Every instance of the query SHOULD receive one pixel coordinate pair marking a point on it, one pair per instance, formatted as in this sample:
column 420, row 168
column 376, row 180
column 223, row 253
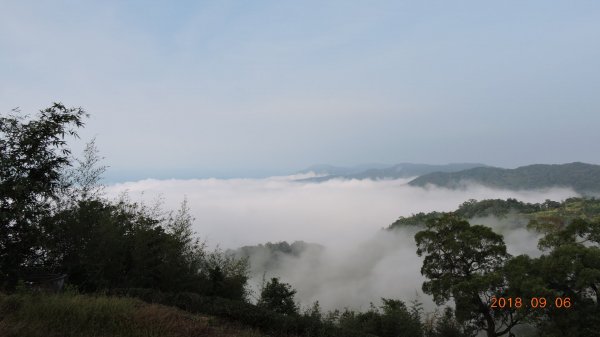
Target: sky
column 196, row 89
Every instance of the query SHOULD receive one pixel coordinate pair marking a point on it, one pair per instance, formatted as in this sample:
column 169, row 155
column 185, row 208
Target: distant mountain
column 583, row 178
column 331, row 170
column 403, row 170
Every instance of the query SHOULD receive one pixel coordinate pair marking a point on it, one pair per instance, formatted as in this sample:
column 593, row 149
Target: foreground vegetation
column 71, row 314
column 469, row 265
column 74, row 315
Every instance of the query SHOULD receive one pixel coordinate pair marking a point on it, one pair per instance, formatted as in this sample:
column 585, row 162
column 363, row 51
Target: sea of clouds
column 360, row 262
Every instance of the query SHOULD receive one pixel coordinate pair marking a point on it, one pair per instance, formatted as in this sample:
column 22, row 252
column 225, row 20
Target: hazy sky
column 246, row 88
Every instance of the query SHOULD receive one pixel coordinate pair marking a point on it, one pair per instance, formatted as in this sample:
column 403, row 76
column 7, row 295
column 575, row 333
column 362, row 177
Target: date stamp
column 534, row 302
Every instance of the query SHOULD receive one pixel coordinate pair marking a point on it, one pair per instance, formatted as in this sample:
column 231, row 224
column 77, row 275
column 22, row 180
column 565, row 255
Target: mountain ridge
column 582, row 177
column 397, row 171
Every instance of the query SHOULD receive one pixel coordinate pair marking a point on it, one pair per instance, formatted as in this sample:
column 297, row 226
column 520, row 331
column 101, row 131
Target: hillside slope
column 583, row 178
column 521, row 213
column 67, row 315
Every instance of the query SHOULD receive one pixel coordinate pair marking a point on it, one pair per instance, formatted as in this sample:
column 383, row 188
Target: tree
column 398, row 320
column 54, row 219
column 392, row 319
column 32, row 154
column 224, row 275
column 445, row 325
column 82, row 182
column 279, row 297
column 571, row 269
column 464, row 263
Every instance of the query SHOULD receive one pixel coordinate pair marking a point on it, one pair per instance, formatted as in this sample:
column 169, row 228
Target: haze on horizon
column 232, row 89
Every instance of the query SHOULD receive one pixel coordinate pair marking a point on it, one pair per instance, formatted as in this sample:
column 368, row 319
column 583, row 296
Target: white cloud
column 360, row 263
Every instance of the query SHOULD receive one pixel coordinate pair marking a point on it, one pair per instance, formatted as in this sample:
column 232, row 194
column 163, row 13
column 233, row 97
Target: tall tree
column 82, row 181
column 464, row 263
column 279, row 297
column 571, row 270
column 33, row 151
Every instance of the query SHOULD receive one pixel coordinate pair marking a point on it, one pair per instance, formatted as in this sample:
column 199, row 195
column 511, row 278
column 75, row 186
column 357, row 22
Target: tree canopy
column 468, row 264
column 54, row 219
column 279, row 297
column 464, row 263
column 33, row 151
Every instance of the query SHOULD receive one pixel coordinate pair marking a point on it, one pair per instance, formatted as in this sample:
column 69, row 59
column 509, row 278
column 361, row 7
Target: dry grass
column 71, row 315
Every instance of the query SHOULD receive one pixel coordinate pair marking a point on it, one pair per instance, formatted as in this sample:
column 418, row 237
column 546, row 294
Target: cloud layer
column 360, row 263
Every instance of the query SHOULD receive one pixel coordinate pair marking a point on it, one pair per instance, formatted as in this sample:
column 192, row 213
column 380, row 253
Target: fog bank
column 360, row 263
column 237, row 212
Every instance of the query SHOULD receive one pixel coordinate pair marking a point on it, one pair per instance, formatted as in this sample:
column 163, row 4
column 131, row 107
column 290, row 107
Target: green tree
column 398, row 320
column 447, row 326
column 224, row 274
column 279, row 297
column 89, row 243
column 191, row 250
column 33, row 151
column 82, row 180
column 392, row 319
column 54, row 218
column 464, row 263
column 571, row 269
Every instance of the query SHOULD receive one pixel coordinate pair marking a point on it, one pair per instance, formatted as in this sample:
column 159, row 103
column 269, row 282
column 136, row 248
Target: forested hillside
column 549, row 211
column 581, row 177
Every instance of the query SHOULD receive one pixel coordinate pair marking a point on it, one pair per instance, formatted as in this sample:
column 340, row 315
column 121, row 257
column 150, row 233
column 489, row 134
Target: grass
column 75, row 315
